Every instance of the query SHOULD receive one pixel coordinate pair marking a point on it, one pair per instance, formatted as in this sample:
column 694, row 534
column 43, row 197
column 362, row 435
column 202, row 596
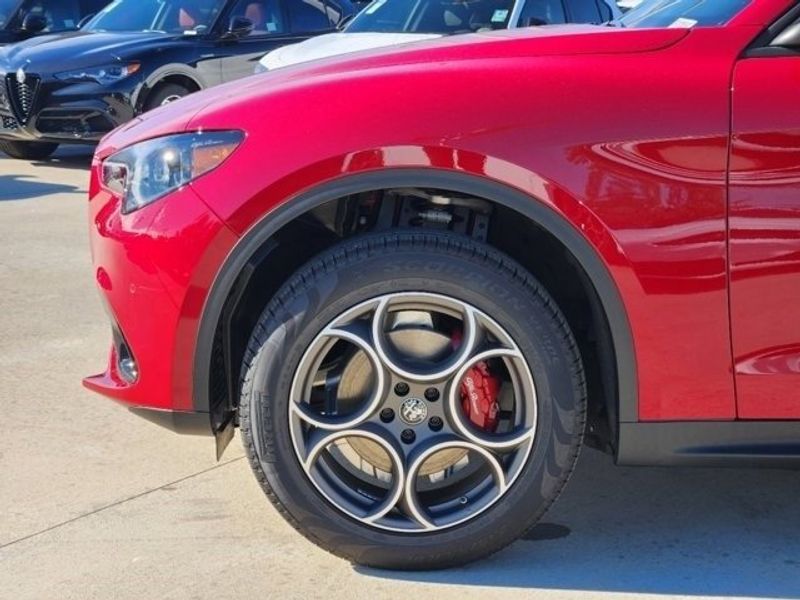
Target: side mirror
column 33, row 23
column 789, row 38
column 85, row 20
column 239, row 27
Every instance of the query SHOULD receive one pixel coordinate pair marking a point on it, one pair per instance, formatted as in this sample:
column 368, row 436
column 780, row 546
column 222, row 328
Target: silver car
column 385, row 23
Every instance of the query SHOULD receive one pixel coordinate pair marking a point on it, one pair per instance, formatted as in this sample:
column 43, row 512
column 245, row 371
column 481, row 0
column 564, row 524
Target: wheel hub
column 413, row 411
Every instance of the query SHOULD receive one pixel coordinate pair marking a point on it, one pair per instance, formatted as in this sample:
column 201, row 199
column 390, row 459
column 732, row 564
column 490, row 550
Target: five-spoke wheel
column 412, row 401
column 381, row 408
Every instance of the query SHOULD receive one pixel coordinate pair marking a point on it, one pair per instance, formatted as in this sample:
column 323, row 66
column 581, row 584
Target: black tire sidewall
column 488, row 281
column 163, row 91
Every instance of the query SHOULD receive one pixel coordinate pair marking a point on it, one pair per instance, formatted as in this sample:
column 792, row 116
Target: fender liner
column 261, row 232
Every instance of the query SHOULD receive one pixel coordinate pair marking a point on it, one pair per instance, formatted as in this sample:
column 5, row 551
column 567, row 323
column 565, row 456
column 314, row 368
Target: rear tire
column 164, row 94
column 28, row 150
column 408, row 265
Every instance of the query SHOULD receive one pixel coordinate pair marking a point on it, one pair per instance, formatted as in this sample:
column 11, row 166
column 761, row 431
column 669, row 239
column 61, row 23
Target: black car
column 21, row 19
column 135, row 55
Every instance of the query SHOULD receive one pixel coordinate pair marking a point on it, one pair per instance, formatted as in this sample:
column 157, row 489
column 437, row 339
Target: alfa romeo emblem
column 413, row 411
column 21, row 76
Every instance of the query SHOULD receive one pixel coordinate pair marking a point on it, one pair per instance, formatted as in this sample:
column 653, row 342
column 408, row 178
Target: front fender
column 364, row 174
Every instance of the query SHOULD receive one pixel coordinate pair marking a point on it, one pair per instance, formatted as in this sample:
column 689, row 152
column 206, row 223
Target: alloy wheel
column 413, row 412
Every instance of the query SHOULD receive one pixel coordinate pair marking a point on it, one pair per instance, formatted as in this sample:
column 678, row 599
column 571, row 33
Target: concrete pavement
column 95, row 503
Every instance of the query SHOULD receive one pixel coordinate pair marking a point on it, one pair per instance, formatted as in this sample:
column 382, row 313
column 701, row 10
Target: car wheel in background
column 28, row 150
column 412, row 401
column 164, row 94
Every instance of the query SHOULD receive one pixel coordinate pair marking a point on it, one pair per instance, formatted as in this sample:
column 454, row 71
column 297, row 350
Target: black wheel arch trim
column 260, row 233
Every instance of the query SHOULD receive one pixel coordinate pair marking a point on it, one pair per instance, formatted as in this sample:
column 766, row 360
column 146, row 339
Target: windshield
column 7, row 8
column 432, row 16
column 167, row 16
column 682, row 13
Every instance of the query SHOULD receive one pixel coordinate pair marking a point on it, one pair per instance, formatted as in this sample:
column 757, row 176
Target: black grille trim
column 22, row 95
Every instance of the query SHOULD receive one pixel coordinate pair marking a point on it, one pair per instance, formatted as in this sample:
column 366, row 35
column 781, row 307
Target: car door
column 277, row 23
column 764, row 222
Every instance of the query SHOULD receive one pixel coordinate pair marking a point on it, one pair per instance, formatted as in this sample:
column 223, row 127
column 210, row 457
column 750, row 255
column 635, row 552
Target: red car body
column 666, row 160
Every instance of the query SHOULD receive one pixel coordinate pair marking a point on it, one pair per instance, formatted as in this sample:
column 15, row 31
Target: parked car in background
column 135, row 55
column 390, row 22
column 420, row 279
column 22, row 19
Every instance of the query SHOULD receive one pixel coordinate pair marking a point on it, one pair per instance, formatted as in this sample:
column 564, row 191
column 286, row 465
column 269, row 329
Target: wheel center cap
column 413, row 411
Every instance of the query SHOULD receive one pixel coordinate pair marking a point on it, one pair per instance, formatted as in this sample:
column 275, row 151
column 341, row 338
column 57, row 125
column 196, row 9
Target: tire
column 28, row 150
column 401, row 267
column 164, row 94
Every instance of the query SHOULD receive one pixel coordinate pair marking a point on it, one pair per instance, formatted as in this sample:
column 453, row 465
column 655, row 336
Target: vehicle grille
column 4, row 101
column 22, row 95
column 7, row 122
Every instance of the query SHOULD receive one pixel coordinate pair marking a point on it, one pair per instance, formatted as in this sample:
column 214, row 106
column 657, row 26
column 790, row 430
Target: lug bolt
column 431, row 394
column 436, row 423
column 408, row 436
column 401, row 389
column 387, row 415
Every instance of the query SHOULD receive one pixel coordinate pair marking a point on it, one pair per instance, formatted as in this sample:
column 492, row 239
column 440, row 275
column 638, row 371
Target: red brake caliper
column 479, row 390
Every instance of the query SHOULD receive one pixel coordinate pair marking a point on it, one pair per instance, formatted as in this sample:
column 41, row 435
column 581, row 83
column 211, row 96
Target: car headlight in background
column 105, row 75
column 147, row 171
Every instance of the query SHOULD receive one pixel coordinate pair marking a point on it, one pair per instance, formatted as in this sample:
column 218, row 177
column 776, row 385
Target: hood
column 455, row 51
column 334, row 44
column 47, row 53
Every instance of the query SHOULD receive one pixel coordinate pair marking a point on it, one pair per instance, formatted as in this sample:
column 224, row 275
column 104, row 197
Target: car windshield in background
column 7, row 8
column 682, row 13
column 432, row 16
column 167, row 16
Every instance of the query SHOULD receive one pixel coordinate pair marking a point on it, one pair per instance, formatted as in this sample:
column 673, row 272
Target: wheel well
column 311, row 232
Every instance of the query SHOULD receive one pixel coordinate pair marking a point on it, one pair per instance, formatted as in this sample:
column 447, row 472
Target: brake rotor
column 417, row 343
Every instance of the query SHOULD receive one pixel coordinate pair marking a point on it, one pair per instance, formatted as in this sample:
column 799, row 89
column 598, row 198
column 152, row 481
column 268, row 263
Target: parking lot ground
column 96, row 503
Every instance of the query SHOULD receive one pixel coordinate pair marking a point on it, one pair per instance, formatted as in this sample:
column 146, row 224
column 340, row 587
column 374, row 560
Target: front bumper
column 46, row 109
column 154, row 282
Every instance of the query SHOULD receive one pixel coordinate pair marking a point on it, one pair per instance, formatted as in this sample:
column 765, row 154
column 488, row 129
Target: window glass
column 542, row 12
column 584, row 11
column 433, row 16
column 663, row 13
column 606, row 14
column 335, row 12
column 61, row 15
column 92, row 7
column 266, row 15
column 7, row 11
column 169, row 16
column 308, row 15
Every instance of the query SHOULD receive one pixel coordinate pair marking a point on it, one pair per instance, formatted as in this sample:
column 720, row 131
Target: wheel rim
column 379, row 419
column 170, row 99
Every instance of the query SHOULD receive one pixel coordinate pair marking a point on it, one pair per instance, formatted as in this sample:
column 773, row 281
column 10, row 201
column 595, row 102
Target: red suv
column 419, row 280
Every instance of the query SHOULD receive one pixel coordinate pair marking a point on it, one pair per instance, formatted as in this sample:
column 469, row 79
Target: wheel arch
column 259, row 244
column 179, row 74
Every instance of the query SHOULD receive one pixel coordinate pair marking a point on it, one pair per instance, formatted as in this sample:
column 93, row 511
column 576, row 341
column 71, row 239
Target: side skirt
column 711, row 444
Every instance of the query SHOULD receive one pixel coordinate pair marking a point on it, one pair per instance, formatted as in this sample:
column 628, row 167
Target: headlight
column 105, row 75
column 147, row 171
